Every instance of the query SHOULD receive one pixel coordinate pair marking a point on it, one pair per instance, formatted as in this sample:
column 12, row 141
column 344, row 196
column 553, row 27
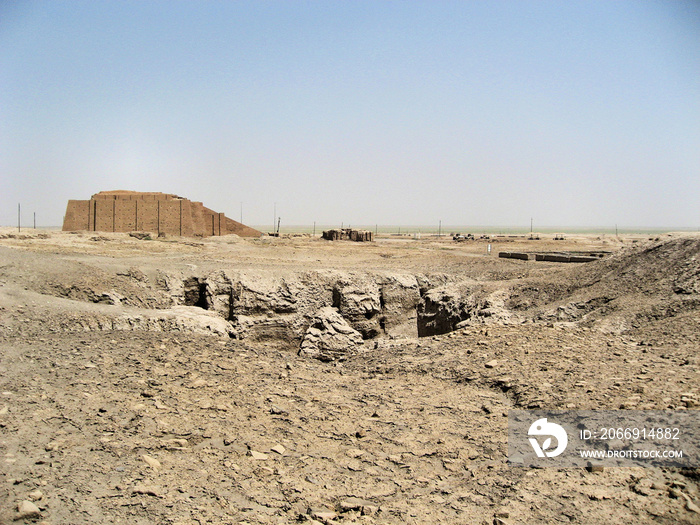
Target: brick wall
column 147, row 215
column 186, row 218
column 103, row 217
column 169, row 217
column 123, row 211
column 239, row 229
column 77, row 216
column 125, row 215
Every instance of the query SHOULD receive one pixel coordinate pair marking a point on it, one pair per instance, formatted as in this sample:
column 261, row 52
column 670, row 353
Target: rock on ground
column 330, row 337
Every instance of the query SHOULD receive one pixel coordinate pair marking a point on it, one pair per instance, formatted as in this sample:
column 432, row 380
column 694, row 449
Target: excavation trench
column 330, row 309
column 288, row 308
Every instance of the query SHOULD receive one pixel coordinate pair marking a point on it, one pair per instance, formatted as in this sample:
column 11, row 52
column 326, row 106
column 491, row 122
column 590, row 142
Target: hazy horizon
column 430, row 229
column 580, row 112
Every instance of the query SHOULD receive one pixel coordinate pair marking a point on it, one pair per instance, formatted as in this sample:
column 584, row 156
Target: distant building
column 348, row 234
column 126, row 211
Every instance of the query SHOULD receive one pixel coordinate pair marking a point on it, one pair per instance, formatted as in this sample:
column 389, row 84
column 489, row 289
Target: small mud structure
column 348, row 234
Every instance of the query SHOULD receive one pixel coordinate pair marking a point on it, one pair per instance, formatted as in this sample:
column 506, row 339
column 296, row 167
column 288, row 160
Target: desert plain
column 223, row 380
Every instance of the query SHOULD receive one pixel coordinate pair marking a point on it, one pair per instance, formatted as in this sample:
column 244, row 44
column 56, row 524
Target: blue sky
column 574, row 113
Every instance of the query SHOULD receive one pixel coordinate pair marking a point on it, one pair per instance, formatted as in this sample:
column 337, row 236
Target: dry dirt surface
column 294, row 380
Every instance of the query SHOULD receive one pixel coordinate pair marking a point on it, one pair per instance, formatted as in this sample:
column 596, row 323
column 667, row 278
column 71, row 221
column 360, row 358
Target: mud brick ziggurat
column 164, row 213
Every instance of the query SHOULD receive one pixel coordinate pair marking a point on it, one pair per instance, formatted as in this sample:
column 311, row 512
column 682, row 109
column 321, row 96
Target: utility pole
column 314, row 235
column 530, row 224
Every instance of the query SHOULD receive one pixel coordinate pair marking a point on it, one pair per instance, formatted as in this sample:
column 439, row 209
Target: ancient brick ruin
column 161, row 213
column 348, row 234
column 566, row 257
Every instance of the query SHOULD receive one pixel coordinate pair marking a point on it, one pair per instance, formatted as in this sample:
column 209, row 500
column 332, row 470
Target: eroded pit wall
column 263, row 305
column 260, row 304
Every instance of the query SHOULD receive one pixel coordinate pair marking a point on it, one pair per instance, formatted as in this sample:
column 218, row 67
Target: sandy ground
column 166, row 418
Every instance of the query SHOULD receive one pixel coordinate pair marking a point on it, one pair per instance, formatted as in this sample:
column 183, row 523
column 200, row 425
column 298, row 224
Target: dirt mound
column 658, row 268
column 76, row 280
column 647, row 281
